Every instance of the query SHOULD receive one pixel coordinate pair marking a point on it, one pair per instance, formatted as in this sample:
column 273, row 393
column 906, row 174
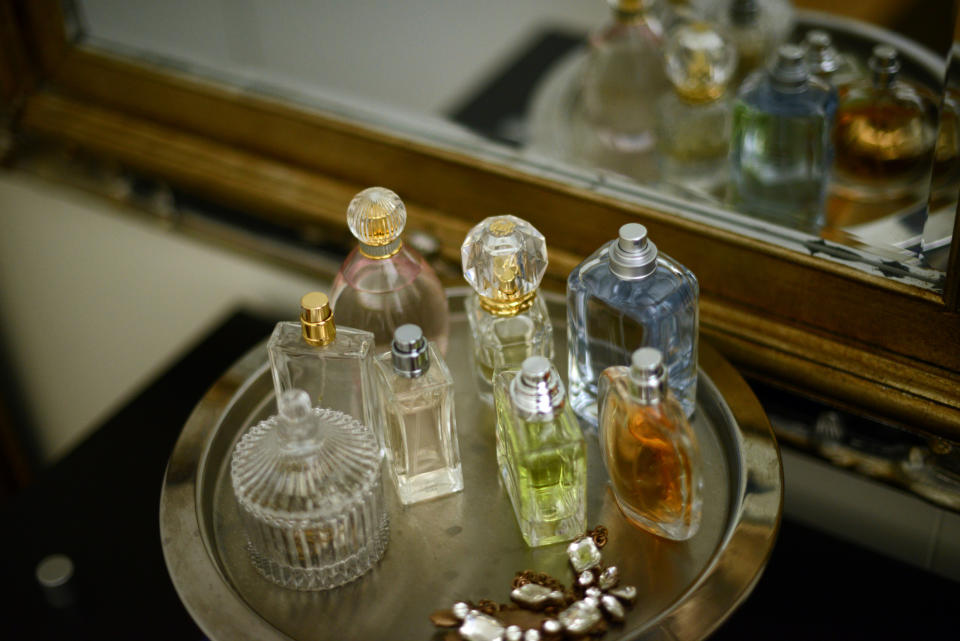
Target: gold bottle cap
column 316, row 319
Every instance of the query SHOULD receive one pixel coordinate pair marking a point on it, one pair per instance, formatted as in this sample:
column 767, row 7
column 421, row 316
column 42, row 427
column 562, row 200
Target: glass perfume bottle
column 694, row 119
column 884, row 136
column 750, row 25
column 384, row 283
column 649, row 448
column 780, row 152
column 417, row 418
column 624, row 296
column 310, row 492
column 333, row 365
column 541, row 453
column 504, row 259
column 829, row 65
column 622, row 79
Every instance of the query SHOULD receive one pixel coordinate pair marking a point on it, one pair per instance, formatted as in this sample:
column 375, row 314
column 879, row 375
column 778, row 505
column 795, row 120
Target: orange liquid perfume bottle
column 649, row 448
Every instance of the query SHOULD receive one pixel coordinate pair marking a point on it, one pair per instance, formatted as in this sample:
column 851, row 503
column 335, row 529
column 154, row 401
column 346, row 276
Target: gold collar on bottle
column 507, row 306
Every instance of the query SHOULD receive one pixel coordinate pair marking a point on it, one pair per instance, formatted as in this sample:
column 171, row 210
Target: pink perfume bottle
column 383, row 283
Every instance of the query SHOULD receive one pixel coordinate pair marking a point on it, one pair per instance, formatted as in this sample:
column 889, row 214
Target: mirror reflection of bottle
column 750, row 26
column 781, row 152
column 829, row 65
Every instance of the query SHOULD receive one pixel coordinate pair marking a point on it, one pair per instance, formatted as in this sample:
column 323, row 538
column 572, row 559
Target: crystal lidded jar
column 417, row 418
column 310, row 493
column 384, row 283
column 649, row 449
column 332, row 363
column 504, row 259
column 541, row 453
column 626, row 295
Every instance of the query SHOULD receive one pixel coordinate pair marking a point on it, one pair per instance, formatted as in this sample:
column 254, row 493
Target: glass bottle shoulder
column 617, row 386
column 348, row 343
column 759, row 92
column 380, row 275
column 437, row 376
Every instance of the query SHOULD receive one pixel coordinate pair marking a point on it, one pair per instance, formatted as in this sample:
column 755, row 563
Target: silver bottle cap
column 633, row 256
column 884, row 63
column 790, row 69
column 537, row 392
column 821, row 55
column 648, row 374
column 409, row 351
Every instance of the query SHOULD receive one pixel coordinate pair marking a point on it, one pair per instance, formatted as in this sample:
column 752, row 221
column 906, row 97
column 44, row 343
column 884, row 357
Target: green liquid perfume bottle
column 541, row 453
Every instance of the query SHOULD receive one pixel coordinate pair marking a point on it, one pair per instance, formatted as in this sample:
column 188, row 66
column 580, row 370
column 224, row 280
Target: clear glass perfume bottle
column 541, row 453
column 884, row 136
column 694, row 119
column 781, row 152
column 624, row 296
column 417, row 418
column 750, row 26
column 828, row 64
column 384, row 283
column 504, row 259
column 310, row 492
column 332, row 364
column 622, row 80
column 649, row 448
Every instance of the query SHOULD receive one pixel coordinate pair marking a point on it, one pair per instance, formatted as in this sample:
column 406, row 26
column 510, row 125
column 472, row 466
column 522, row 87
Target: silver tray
column 467, row 546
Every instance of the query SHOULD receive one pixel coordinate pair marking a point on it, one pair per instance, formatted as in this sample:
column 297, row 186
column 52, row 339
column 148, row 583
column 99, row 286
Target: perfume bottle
column 309, row 488
column 504, row 259
column 884, row 137
column 384, row 283
column 622, row 79
column 333, row 365
column 694, row 119
column 751, row 27
column 417, row 418
column 649, row 448
column 829, row 65
column 780, row 152
column 541, row 453
column 624, row 296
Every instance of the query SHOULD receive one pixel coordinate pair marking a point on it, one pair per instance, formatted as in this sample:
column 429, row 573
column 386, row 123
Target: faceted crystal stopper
column 504, row 259
column 376, row 217
column 699, row 61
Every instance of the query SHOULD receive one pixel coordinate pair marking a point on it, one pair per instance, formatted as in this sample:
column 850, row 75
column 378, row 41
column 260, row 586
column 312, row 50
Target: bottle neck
column 379, row 252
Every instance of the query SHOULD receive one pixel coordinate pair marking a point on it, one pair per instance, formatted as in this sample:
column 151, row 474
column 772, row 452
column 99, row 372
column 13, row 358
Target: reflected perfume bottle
column 750, row 25
column 649, row 449
column 541, row 453
column 417, row 418
column 333, row 365
column 310, row 493
column 694, row 119
column 624, row 296
column 384, row 283
column 884, row 137
column 829, row 65
column 780, row 152
column 622, row 79
column 504, row 259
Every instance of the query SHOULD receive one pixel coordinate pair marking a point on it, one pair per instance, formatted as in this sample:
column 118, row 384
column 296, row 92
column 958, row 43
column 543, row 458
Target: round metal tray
column 467, row 546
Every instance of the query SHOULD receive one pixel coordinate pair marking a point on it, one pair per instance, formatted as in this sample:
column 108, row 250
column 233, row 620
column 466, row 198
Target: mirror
column 465, row 75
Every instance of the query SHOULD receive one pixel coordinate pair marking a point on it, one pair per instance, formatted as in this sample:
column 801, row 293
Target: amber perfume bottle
column 884, row 136
column 384, row 283
column 649, row 448
column 504, row 259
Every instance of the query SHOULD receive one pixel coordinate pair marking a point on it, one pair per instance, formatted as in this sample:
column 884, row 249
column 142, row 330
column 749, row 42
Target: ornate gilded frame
column 862, row 342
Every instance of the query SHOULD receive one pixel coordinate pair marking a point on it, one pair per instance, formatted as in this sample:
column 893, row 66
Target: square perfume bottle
column 333, row 365
column 541, row 453
column 417, row 418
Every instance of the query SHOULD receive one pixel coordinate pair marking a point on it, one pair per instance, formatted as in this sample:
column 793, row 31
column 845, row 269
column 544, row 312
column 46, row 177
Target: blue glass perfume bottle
column 781, row 152
column 625, row 296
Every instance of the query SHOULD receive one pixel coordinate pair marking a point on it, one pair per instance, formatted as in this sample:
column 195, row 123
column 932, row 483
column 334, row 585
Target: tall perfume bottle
column 622, row 79
column 541, row 453
column 828, row 64
column 649, row 449
column 504, row 259
column 694, row 119
column 624, row 296
column 310, row 492
column 333, row 365
column 417, row 418
column 781, row 153
column 884, row 137
column 384, row 283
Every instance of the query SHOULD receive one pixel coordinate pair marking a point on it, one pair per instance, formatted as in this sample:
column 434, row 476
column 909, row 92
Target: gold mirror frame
column 858, row 341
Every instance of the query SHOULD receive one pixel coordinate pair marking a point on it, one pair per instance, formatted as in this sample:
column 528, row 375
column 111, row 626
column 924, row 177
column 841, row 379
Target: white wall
column 94, row 303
